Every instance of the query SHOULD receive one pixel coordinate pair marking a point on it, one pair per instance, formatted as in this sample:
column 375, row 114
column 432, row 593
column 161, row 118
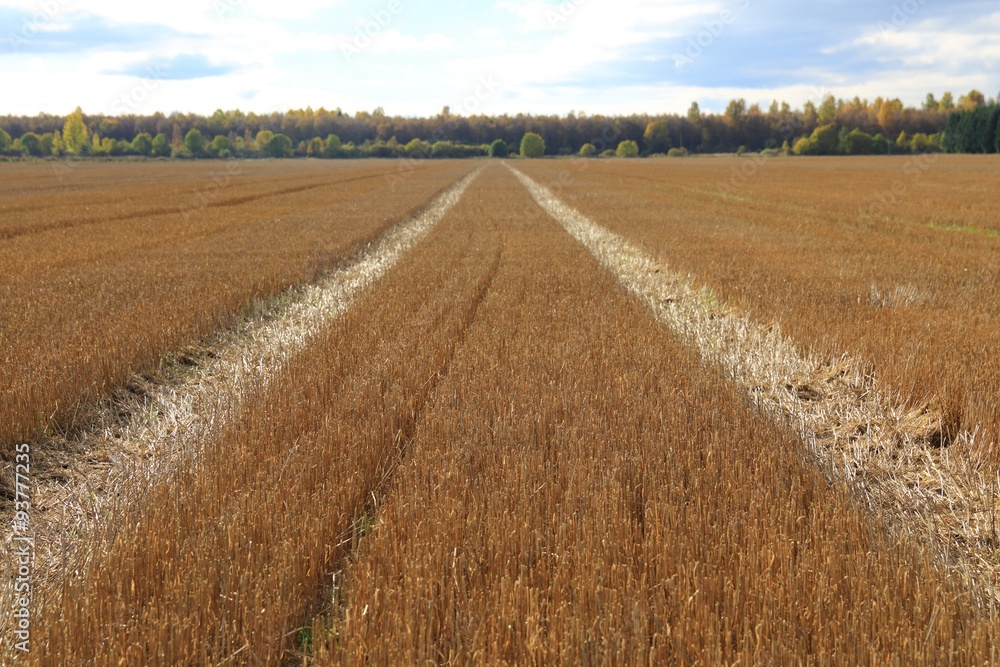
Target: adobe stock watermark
column 563, row 13
column 130, row 101
column 34, row 24
column 912, row 172
column 712, row 30
column 902, row 14
column 368, row 30
column 223, row 8
column 566, row 177
column 23, row 549
column 217, row 182
column 749, row 167
column 485, row 88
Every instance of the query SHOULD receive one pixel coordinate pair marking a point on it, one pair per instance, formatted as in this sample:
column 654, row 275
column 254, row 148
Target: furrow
column 905, row 461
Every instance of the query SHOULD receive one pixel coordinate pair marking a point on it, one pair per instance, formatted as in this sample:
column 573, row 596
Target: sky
column 414, row 57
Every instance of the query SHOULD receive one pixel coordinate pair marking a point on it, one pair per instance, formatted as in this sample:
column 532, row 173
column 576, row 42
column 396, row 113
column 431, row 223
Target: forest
column 832, row 127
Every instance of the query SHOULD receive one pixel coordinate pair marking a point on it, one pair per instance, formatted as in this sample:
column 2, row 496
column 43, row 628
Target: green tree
column 194, row 142
column 279, row 146
column 587, row 150
column 221, row 143
column 858, row 143
column 879, row 145
column 160, row 146
column 417, row 148
column 332, row 146
column 947, row 102
column 627, row 148
column 827, row 110
column 143, row 144
column 824, row 140
column 31, row 144
column 261, row 141
column 75, row 134
column 498, row 149
column 532, row 145
column 48, row 143
column 657, row 137
column 4, row 141
column 903, row 144
column 316, row 148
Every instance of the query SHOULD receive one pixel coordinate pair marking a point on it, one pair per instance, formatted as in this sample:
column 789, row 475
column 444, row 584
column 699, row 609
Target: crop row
column 849, row 261
column 498, row 456
column 84, row 306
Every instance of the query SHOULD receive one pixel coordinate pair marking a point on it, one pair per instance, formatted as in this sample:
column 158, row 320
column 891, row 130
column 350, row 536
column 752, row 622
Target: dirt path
column 901, row 459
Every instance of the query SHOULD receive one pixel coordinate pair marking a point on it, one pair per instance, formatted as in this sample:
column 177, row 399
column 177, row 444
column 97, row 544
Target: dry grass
column 823, row 247
column 226, row 556
column 582, row 490
column 923, row 478
column 83, row 307
column 142, row 432
column 498, row 455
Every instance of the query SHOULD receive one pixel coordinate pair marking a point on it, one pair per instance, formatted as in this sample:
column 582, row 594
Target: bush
column 279, row 146
column 499, row 149
column 221, row 143
column 802, row 147
column 824, row 140
column 678, row 152
column 532, row 145
column 587, row 150
column 5, row 142
column 31, row 144
column 225, row 154
column 627, row 148
column 142, row 144
column 443, row 149
column 859, row 143
column 608, row 153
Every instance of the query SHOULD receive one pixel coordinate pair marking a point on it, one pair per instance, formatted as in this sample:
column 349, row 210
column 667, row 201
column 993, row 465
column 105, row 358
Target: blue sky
column 413, row 57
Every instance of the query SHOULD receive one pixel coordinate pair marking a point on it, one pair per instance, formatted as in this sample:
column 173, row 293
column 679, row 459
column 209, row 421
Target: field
column 703, row 411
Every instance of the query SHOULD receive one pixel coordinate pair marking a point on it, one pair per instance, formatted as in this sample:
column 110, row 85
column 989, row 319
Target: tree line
column 833, row 126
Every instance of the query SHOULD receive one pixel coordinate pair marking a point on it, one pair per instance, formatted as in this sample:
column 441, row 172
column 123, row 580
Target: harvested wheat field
column 509, row 412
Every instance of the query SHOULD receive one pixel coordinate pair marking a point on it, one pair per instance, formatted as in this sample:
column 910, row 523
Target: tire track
column 148, row 428
column 906, row 462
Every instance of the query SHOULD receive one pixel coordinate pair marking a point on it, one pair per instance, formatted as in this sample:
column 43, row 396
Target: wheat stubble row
column 82, row 308
column 507, row 460
column 911, row 286
column 224, row 559
column 140, row 435
column 581, row 490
